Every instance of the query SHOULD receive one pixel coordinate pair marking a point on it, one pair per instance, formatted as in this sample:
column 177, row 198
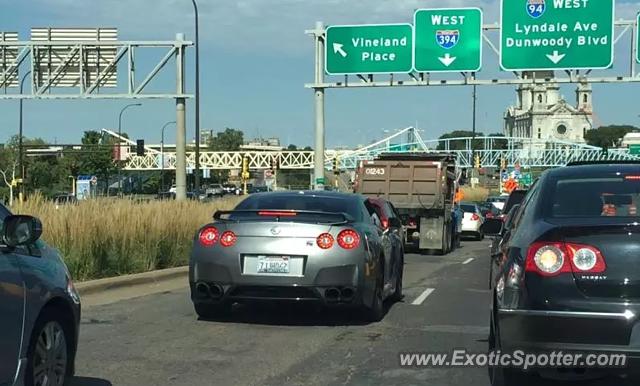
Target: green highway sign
column 556, row 34
column 448, row 39
column 369, row 49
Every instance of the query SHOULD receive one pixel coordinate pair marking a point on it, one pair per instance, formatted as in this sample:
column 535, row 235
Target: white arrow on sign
column 556, row 57
column 447, row 59
column 337, row 49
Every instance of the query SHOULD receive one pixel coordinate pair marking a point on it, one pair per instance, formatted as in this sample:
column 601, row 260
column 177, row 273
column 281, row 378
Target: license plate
column 273, row 264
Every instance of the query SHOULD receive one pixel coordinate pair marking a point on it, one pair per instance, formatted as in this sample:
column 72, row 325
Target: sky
column 255, row 60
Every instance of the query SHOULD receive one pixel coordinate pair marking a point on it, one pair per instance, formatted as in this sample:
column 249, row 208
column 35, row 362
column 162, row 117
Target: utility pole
column 318, row 167
column 181, row 130
column 473, row 128
column 120, row 144
column 20, row 137
column 197, row 101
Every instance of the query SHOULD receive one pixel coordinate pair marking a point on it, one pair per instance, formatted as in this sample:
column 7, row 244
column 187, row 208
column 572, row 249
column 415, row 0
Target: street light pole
column 162, row 155
column 197, row 101
column 20, row 147
column 119, row 144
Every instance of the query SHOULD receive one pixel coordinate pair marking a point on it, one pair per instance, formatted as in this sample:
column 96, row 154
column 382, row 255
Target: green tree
column 460, row 144
column 96, row 157
column 228, row 140
column 499, row 144
column 608, row 136
column 308, row 148
column 292, row 147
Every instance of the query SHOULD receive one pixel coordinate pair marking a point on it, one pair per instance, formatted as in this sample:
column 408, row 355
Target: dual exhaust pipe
column 344, row 295
column 213, row 291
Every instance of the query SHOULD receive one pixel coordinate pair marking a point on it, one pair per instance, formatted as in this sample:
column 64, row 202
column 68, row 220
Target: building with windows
column 542, row 114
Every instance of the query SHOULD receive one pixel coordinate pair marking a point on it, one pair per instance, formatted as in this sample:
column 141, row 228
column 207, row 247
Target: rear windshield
column 594, row 197
column 468, row 208
column 303, row 202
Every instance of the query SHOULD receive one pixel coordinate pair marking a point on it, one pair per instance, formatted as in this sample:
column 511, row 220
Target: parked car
column 569, row 277
column 39, row 307
column 472, row 220
column 488, row 210
column 215, row 190
column 320, row 247
column 229, row 188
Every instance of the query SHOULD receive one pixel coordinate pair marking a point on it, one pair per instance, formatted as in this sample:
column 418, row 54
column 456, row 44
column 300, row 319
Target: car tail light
column 277, row 213
column 475, row 217
column 325, row 241
column 412, row 222
column 489, row 215
column 228, row 239
column 208, row 236
column 385, row 223
column 349, row 239
column 586, row 259
column 554, row 258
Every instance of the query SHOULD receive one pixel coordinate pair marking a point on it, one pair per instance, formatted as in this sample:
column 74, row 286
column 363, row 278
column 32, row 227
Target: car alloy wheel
column 50, row 356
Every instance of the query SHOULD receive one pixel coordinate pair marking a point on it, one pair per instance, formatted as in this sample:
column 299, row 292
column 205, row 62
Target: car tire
column 501, row 376
column 480, row 236
column 375, row 312
column 397, row 293
column 212, row 311
column 52, row 337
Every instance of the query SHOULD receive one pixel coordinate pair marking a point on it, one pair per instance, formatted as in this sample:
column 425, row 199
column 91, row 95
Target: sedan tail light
column 208, row 236
column 385, row 223
column 325, row 241
column 554, row 258
column 475, row 217
column 349, row 239
column 228, row 239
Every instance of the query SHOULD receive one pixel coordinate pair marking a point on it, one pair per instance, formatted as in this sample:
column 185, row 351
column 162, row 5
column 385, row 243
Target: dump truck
column 421, row 186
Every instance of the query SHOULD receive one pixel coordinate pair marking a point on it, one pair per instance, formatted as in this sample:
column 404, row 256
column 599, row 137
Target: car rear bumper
column 595, row 332
column 337, row 285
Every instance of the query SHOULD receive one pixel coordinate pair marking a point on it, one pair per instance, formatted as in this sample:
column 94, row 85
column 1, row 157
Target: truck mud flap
column 431, row 232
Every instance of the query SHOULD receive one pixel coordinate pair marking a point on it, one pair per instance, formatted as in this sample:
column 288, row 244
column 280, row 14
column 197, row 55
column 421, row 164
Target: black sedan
column 569, row 278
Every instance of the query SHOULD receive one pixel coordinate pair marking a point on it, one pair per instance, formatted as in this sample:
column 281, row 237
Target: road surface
column 157, row 339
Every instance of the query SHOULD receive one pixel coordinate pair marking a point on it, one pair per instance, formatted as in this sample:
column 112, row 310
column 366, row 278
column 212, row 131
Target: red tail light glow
column 349, row 239
column 412, row 222
column 208, row 236
column 228, row 239
column 277, row 213
column 632, row 178
column 385, row 223
column 554, row 258
column 475, row 217
column 325, row 241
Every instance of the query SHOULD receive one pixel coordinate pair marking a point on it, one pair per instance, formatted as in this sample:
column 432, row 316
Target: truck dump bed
column 409, row 181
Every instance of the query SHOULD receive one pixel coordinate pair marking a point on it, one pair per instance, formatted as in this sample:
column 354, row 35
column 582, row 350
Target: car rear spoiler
column 340, row 217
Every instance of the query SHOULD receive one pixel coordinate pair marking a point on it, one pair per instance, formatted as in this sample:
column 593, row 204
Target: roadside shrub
column 111, row 237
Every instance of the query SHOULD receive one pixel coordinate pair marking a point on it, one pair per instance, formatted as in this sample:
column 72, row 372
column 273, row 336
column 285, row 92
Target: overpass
column 523, row 151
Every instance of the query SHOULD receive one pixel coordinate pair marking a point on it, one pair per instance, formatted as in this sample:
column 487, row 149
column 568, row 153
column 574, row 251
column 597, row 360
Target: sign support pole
column 181, row 124
column 318, row 161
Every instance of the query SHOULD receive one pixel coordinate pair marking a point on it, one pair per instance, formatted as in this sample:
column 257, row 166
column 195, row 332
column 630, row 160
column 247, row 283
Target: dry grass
column 475, row 194
column 107, row 237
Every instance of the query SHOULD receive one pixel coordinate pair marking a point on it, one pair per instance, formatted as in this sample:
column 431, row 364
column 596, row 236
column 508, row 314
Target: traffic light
column 336, row 164
column 275, row 164
column 477, row 162
column 140, row 147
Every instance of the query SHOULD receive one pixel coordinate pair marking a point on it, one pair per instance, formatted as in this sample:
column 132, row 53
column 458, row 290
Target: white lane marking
column 423, row 296
column 468, row 261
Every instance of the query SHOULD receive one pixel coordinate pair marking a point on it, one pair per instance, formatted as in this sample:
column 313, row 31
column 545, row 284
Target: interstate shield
column 447, row 38
column 536, row 8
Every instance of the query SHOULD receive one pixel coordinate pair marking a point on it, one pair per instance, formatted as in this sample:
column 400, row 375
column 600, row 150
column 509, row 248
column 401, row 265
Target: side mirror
column 492, row 227
column 21, row 230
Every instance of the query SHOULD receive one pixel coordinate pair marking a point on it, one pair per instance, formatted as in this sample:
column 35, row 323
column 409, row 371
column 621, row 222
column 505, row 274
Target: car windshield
column 594, row 197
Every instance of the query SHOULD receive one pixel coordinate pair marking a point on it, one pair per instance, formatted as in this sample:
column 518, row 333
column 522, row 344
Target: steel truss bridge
column 522, row 151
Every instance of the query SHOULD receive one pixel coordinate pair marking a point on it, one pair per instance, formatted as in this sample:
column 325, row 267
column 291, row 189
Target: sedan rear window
column 468, row 208
column 302, row 202
column 595, row 197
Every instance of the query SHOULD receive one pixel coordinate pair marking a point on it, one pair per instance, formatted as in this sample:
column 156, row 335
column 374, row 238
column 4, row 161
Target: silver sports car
column 296, row 246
